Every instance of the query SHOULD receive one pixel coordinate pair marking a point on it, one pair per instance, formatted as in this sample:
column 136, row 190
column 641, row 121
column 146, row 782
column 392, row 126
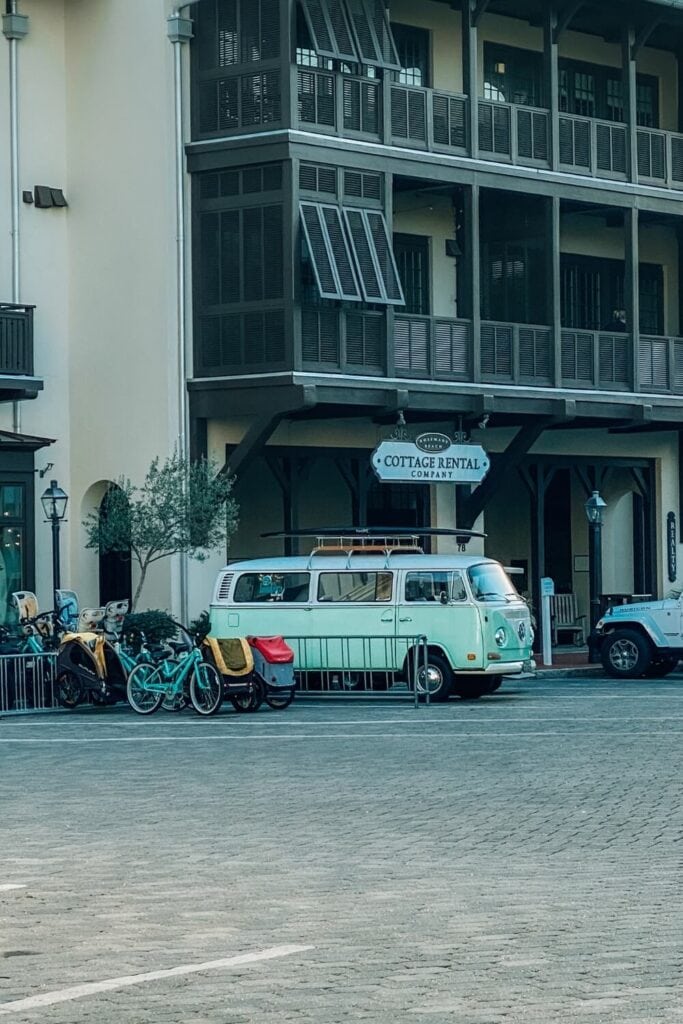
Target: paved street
column 517, row 859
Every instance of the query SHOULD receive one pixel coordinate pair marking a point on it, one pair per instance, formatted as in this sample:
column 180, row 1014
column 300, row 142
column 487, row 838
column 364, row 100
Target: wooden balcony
column 437, row 121
column 16, row 340
column 524, row 355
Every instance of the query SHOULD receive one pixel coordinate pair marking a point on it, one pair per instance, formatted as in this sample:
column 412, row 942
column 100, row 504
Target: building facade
column 461, row 215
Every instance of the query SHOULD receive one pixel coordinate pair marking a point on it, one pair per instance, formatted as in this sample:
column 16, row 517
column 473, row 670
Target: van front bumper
column 501, row 668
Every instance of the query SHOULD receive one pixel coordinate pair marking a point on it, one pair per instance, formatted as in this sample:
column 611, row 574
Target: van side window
column 257, row 587
column 435, row 586
column 355, row 586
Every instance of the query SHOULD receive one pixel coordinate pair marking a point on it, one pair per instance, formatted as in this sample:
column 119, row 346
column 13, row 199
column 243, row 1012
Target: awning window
column 352, row 30
column 352, row 257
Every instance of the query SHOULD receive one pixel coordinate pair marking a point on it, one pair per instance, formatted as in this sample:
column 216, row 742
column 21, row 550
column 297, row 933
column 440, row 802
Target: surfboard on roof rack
column 371, row 540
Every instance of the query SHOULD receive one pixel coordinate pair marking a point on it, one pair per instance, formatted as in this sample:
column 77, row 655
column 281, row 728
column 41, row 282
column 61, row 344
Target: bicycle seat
column 178, row 646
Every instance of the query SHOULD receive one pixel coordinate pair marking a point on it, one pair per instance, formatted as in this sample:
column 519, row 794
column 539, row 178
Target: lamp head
column 54, row 501
column 595, row 508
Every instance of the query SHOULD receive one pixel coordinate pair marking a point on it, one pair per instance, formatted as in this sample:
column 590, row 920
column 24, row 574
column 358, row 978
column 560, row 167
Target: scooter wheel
column 279, row 701
column 69, row 690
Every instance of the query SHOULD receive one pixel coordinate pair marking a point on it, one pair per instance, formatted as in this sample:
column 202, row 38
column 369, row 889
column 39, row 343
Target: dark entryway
column 115, row 567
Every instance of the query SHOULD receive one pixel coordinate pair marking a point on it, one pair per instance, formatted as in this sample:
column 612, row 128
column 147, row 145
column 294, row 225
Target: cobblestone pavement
column 516, row 859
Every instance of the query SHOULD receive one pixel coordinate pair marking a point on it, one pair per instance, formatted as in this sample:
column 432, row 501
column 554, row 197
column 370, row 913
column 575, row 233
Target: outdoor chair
column 564, row 617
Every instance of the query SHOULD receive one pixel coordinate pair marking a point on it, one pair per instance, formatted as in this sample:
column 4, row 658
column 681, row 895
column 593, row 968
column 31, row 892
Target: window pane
column 490, row 582
column 355, row 586
column 12, row 539
column 12, row 501
column 289, row 587
column 427, row 586
column 513, row 75
column 412, row 45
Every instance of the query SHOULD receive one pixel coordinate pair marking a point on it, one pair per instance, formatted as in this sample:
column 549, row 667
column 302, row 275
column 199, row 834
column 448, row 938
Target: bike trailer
column 273, row 660
column 232, row 657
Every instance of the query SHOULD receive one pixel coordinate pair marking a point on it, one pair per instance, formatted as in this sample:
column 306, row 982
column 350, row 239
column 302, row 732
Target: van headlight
column 500, row 636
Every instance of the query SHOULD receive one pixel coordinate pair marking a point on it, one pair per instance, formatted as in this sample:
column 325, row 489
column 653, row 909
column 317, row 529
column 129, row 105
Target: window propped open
column 352, row 30
column 329, row 29
column 329, row 252
column 352, row 257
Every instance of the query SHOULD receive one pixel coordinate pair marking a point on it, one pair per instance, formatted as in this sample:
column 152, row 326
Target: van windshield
column 490, row 582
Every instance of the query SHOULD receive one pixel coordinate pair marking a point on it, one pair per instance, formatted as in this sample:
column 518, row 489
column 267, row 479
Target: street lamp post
column 54, row 501
column 595, row 510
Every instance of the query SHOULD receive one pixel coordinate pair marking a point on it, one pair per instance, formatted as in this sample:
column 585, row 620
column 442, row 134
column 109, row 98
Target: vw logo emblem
column 521, row 632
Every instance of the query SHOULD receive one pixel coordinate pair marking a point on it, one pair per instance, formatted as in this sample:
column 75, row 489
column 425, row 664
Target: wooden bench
column 564, row 617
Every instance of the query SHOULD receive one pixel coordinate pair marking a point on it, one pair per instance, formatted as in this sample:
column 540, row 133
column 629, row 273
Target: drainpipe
column 14, row 28
column 179, row 30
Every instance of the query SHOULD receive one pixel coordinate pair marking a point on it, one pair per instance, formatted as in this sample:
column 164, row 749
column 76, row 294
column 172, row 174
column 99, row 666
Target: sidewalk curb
column 564, row 672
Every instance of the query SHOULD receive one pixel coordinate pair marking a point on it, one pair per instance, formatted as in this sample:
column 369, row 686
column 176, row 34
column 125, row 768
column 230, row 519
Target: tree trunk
column 138, row 589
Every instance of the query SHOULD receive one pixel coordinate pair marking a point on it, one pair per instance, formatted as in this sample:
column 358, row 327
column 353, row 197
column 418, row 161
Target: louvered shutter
column 534, row 354
column 320, row 335
column 677, row 158
column 366, row 42
column 566, row 141
column 329, row 29
column 224, row 32
column 451, row 349
column 417, row 116
column 678, row 365
column 380, row 22
column 232, row 346
column 308, row 178
column 525, row 139
column 411, row 345
column 231, row 264
column 654, row 363
column 353, row 184
column 364, row 340
column 501, row 126
column 577, row 357
column 338, row 246
column 272, row 253
column 274, row 331
column 321, row 258
column 399, row 113
column 385, row 258
column 496, row 350
column 485, row 116
column 351, row 98
column 363, row 250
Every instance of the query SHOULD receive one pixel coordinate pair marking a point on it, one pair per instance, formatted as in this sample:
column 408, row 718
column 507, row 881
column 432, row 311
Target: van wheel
column 626, row 654
column 470, row 689
column 436, row 677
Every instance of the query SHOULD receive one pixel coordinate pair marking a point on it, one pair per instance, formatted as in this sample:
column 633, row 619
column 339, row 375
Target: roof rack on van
column 371, row 540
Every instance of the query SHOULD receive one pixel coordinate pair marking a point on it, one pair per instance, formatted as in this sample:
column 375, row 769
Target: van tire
column 439, row 671
column 472, row 689
column 626, row 654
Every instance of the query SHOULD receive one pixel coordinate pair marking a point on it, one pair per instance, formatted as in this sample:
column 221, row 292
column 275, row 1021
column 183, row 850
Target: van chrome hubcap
column 623, row 655
column 434, row 680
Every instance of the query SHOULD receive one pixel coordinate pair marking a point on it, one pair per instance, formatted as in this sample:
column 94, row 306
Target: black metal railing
column 16, row 339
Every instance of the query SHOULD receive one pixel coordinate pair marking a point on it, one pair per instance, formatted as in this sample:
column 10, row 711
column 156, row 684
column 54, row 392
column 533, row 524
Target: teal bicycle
column 182, row 675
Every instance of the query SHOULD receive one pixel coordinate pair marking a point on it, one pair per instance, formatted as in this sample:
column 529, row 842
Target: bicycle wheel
column 206, row 689
column 278, row 700
column 140, row 698
column 69, row 690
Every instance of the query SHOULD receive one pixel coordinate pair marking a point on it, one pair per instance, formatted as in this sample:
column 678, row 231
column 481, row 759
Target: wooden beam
column 480, row 8
column 262, row 429
column 506, row 462
column 566, row 16
column 644, row 34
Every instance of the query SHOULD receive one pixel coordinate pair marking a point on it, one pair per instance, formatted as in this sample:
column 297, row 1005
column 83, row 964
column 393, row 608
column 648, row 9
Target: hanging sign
column 671, row 549
column 430, row 458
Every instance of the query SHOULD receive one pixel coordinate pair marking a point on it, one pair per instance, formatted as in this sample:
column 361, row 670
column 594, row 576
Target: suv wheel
column 626, row 654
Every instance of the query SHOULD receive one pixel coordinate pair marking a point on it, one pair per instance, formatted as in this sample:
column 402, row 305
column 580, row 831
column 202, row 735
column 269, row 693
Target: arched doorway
column 115, row 566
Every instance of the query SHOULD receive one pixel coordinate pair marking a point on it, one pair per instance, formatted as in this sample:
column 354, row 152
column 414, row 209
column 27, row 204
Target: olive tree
column 181, row 507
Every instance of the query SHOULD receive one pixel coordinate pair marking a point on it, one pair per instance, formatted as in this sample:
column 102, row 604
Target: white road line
column 65, row 995
column 397, row 734
column 9, row 886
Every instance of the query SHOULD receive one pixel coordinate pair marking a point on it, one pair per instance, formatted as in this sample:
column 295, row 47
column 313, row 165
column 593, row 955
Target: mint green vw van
column 350, row 613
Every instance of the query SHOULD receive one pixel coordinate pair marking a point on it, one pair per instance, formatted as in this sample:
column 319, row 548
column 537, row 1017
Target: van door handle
column 405, row 618
column 387, row 618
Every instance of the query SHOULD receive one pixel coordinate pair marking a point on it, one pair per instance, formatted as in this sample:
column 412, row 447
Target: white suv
column 641, row 639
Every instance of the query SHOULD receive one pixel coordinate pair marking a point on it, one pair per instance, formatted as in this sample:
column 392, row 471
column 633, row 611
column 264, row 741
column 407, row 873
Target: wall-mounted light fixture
column 44, row 196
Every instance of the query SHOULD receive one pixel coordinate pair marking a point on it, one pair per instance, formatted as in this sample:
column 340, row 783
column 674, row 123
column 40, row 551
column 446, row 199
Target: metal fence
column 27, row 682
column 337, row 665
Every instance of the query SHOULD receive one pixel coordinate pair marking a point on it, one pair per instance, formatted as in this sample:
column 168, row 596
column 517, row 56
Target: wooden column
column 470, row 70
column 553, row 281
column 472, row 274
column 552, row 81
column 630, row 102
column 631, row 289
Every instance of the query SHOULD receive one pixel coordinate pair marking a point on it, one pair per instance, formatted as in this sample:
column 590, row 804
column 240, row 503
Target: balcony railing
column 16, row 340
column 441, row 348
column 430, row 119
